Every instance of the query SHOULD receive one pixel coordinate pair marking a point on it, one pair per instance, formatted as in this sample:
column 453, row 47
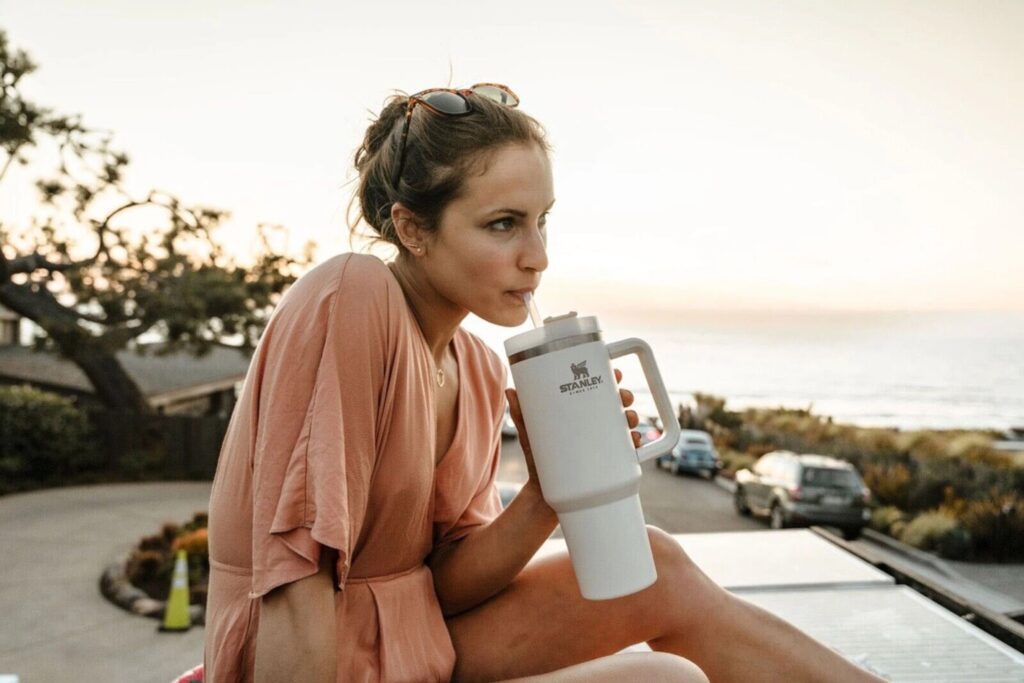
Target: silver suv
column 795, row 490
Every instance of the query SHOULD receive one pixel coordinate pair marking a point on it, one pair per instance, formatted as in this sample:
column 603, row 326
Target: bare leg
column 541, row 624
column 649, row 667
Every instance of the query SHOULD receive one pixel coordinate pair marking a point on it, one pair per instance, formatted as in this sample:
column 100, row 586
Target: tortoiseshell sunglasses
column 449, row 102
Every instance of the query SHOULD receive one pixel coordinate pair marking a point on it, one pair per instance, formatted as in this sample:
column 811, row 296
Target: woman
column 355, row 530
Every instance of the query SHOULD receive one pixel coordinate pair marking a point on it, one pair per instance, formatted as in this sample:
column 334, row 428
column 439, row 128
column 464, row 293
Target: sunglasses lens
column 499, row 95
column 447, row 102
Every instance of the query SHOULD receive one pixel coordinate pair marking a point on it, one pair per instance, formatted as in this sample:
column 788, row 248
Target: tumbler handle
column 670, row 437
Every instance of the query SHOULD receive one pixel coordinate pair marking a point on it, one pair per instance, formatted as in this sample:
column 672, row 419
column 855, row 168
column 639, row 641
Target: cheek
column 487, row 266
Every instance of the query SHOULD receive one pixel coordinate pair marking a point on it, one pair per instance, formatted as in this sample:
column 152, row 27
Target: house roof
column 162, row 379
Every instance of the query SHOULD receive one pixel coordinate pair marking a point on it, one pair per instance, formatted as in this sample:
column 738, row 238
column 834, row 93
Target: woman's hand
column 632, row 420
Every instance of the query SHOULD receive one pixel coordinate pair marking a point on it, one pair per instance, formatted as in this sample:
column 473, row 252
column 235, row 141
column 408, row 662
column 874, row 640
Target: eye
column 543, row 220
column 503, row 224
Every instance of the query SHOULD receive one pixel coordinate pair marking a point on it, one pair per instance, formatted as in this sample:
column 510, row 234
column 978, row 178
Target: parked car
column 694, row 453
column 648, row 432
column 796, row 490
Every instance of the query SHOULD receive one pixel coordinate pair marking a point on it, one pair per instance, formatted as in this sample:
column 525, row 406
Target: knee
column 669, row 556
column 680, row 580
column 669, row 667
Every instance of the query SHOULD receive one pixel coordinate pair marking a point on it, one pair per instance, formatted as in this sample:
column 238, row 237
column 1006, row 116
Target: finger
column 618, row 375
column 627, row 397
column 632, row 419
column 636, row 439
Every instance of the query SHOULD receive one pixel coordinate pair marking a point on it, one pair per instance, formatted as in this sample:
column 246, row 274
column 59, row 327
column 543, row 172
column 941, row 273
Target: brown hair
column 441, row 152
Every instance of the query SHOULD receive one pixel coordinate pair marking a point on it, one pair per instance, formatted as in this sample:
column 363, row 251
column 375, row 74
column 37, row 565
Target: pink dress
column 332, row 444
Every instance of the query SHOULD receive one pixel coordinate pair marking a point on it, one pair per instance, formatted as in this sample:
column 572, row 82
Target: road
column 677, row 504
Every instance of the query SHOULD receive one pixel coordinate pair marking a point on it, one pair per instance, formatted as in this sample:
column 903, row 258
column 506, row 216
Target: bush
column 938, row 531
column 889, row 482
column 883, row 519
column 151, row 565
column 996, row 526
column 734, row 461
column 192, row 542
column 44, row 439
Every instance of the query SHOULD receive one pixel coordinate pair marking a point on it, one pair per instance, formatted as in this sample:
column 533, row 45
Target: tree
column 96, row 268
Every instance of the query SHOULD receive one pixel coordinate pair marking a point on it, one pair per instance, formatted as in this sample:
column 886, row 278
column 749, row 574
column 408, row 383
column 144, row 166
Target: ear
column 407, row 226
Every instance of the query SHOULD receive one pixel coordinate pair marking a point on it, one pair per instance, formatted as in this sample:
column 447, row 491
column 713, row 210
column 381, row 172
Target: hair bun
column 381, row 128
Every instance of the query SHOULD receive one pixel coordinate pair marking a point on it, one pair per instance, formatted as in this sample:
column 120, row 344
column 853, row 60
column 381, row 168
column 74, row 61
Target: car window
column 829, row 477
column 692, row 441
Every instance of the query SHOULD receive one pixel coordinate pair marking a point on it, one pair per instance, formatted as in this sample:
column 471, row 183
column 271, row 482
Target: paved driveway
column 54, row 624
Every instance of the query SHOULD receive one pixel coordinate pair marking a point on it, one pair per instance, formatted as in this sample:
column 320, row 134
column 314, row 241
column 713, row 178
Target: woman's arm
column 296, row 637
column 472, row 570
column 480, row 565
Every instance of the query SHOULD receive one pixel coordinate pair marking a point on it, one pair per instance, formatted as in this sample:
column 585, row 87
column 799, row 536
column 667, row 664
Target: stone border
column 115, row 587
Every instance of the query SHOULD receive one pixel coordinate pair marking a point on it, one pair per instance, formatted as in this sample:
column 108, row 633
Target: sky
column 744, row 155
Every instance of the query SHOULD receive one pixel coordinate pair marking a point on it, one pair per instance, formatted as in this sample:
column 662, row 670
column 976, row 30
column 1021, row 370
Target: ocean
column 906, row 370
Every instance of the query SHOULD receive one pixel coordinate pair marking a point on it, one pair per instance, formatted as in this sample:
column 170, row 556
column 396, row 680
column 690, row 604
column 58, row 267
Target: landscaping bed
column 947, row 491
column 141, row 582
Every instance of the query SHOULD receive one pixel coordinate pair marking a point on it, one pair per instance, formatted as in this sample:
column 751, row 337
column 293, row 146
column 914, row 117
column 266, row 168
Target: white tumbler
column 589, row 470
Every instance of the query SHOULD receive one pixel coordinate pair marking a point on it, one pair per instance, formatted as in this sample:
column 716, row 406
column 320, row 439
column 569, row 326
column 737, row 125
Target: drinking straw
column 531, row 305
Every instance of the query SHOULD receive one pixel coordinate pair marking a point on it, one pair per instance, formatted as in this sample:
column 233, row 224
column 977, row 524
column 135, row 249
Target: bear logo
column 579, row 370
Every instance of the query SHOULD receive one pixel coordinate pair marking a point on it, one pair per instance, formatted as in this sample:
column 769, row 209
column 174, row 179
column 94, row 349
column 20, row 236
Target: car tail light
column 795, row 492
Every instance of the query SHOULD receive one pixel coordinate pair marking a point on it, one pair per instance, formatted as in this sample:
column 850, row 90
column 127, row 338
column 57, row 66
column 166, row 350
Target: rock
column 148, row 607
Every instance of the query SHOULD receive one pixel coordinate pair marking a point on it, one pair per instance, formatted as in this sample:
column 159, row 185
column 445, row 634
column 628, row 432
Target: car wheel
column 739, row 501
column 852, row 534
column 778, row 517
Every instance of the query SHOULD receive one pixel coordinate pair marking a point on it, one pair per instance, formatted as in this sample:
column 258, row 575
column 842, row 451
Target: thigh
column 649, row 667
column 541, row 623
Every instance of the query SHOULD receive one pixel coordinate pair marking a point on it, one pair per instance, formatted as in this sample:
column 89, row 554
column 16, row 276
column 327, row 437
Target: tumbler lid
column 554, row 328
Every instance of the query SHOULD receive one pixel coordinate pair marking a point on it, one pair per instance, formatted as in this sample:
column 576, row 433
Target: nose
column 534, row 252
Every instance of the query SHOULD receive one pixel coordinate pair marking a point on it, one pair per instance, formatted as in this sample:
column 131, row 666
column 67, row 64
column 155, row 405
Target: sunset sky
column 708, row 155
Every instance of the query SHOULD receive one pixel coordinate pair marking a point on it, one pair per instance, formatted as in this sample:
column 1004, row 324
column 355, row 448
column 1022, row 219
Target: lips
column 521, row 293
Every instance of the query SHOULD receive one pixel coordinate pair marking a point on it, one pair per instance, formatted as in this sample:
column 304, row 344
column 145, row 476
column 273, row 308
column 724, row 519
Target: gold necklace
column 440, row 377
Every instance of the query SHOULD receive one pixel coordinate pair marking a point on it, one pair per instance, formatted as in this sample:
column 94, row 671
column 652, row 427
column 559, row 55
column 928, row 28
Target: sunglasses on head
column 449, row 102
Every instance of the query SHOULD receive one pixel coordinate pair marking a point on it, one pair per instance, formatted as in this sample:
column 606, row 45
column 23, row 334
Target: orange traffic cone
column 176, row 616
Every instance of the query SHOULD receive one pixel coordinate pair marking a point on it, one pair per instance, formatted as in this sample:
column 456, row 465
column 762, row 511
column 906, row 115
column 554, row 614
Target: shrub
column 151, row 565
column 996, row 525
column 44, row 439
column 936, row 530
column 192, row 542
column 734, row 461
column 889, row 482
column 884, row 518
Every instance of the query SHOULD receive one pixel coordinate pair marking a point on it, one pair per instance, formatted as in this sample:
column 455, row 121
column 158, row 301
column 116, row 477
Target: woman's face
column 491, row 243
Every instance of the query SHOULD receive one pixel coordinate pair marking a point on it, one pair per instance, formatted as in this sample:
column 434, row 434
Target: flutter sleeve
column 318, row 424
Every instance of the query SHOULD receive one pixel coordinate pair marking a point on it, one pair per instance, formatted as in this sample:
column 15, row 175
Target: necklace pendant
column 440, row 377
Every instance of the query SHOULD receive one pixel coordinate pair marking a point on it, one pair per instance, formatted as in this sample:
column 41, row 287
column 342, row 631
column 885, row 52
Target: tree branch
column 36, row 261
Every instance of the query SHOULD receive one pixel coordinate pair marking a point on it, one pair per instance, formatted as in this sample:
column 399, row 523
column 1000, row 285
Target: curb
column 912, row 553
column 115, row 587
column 727, row 484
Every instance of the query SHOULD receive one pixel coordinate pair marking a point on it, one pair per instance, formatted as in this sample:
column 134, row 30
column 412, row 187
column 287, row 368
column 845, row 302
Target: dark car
column 694, row 453
column 798, row 490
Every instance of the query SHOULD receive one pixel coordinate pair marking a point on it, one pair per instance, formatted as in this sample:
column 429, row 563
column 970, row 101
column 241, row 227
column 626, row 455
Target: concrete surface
column 56, row 626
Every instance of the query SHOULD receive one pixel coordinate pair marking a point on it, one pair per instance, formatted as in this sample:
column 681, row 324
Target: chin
column 505, row 318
